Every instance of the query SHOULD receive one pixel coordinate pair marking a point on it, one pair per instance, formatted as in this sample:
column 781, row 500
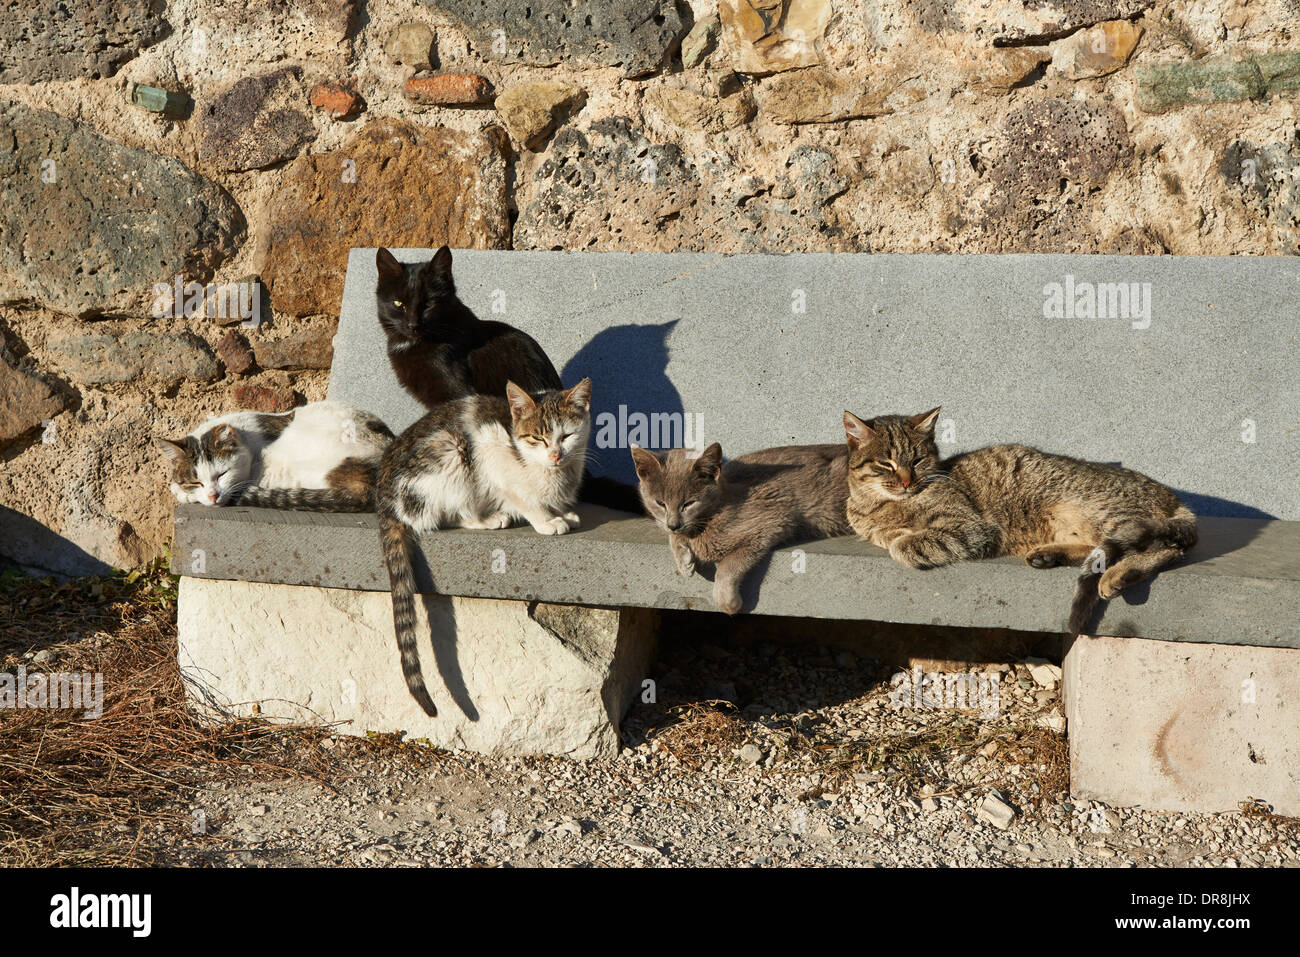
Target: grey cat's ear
column 579, row 395
column 646, row 462
column 709, row 464
column 390, row 270
column 175, row 450
column 521, row 403
column 924, row 422
column 856, row 431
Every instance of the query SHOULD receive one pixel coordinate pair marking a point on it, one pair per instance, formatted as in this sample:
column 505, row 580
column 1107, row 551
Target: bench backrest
column 1183, row 368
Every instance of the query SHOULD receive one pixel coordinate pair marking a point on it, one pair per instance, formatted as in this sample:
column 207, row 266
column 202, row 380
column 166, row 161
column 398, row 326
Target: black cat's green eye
column 399, row 304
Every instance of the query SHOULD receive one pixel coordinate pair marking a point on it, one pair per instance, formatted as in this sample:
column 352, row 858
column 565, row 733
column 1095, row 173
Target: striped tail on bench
column 308, row 499
column 395, row 543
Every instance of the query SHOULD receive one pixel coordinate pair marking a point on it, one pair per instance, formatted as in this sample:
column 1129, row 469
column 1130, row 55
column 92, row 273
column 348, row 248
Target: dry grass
column 114, row 790
column 1030, row 764
column 700, row 731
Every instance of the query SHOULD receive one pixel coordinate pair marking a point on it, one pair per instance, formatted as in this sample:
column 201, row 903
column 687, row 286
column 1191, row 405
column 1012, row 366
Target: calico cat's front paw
column 499, row 520
column 554, row 526
column 726, row 596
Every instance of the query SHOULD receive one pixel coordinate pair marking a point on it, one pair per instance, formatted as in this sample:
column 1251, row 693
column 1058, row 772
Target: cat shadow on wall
column 628, row 367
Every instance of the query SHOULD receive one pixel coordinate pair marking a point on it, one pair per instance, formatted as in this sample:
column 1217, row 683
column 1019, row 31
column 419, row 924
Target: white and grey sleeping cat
column 481, row 461
column 323, row 455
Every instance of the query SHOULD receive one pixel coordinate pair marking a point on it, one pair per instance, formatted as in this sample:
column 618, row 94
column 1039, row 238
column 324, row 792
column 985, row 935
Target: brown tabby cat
column 736, row 514
column 1010, row 500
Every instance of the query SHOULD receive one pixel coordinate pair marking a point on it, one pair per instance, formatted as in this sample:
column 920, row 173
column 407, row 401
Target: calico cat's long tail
column 308, row 499
column 611, row 493
column 394, row 541
column 1134, row 552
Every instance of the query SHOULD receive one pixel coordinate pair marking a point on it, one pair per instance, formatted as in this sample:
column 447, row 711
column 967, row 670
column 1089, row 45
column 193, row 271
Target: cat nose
column 905, row 479
column 673, row 524
column 555, row 456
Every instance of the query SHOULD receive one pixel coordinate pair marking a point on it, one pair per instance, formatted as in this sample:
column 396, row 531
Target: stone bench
column 540, row 644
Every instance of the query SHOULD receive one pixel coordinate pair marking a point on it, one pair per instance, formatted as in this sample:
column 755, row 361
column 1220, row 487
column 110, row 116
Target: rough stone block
column 1179, row 727
column 509, row 677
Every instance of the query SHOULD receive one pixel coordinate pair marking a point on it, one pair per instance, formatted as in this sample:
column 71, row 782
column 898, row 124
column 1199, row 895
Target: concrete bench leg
column 508, row 677
column 1182, row 726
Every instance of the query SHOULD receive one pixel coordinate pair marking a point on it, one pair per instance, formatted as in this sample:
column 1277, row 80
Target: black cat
column 440, row 350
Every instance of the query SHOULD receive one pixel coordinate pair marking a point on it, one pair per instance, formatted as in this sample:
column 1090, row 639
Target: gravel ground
column 766, row 755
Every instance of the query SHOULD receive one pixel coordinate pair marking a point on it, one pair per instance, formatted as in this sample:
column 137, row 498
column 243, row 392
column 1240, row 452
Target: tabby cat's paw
column 1046, row 557
column 685, row 566
column 1115, row 580
column 906, row 551
column 556, row 526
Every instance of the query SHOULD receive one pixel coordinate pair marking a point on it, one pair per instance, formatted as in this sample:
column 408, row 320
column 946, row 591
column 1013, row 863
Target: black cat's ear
column 646, row 462
column 440, row 264
column 709, row 464
column 436, row 273
column 856, row 431
column 173, row 448
column 521, row 403
column 390, row 270
column 924, row 423
column 579, row 395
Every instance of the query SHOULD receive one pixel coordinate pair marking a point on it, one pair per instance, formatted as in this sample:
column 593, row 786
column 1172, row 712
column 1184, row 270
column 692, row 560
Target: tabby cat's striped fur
column 1010, row 500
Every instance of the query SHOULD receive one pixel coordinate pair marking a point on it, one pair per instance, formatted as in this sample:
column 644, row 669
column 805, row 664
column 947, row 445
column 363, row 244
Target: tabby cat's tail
column 394, row 541
column 308, row 499
column 1158, row 540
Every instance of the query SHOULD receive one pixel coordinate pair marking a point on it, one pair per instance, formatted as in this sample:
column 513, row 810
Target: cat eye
column 399, row 304
column 690, row 503
column 659, row 502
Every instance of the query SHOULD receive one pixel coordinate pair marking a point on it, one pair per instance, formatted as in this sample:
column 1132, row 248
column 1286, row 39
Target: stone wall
column 250, row 144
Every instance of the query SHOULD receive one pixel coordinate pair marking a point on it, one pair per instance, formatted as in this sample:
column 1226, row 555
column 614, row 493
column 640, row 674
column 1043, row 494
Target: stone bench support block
column 508, row 677
column 1177, row 726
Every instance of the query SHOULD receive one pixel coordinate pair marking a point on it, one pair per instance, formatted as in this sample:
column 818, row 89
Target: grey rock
column 633, row 34
column 700, row 41
column 259, row 121
column 610, row 187
column 43, row 40
column 411, row 44
column 751, row 754
column 99, row 358
column 113, row 221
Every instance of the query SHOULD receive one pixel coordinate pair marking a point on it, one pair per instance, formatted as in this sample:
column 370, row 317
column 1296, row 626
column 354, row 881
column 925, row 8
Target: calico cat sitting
column 478, row 462
column 322, row 455
column 440, row 350
column 735, row 514
column 1010, row 500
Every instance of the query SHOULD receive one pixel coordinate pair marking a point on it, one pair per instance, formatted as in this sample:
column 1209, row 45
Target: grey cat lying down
column 735, row 514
